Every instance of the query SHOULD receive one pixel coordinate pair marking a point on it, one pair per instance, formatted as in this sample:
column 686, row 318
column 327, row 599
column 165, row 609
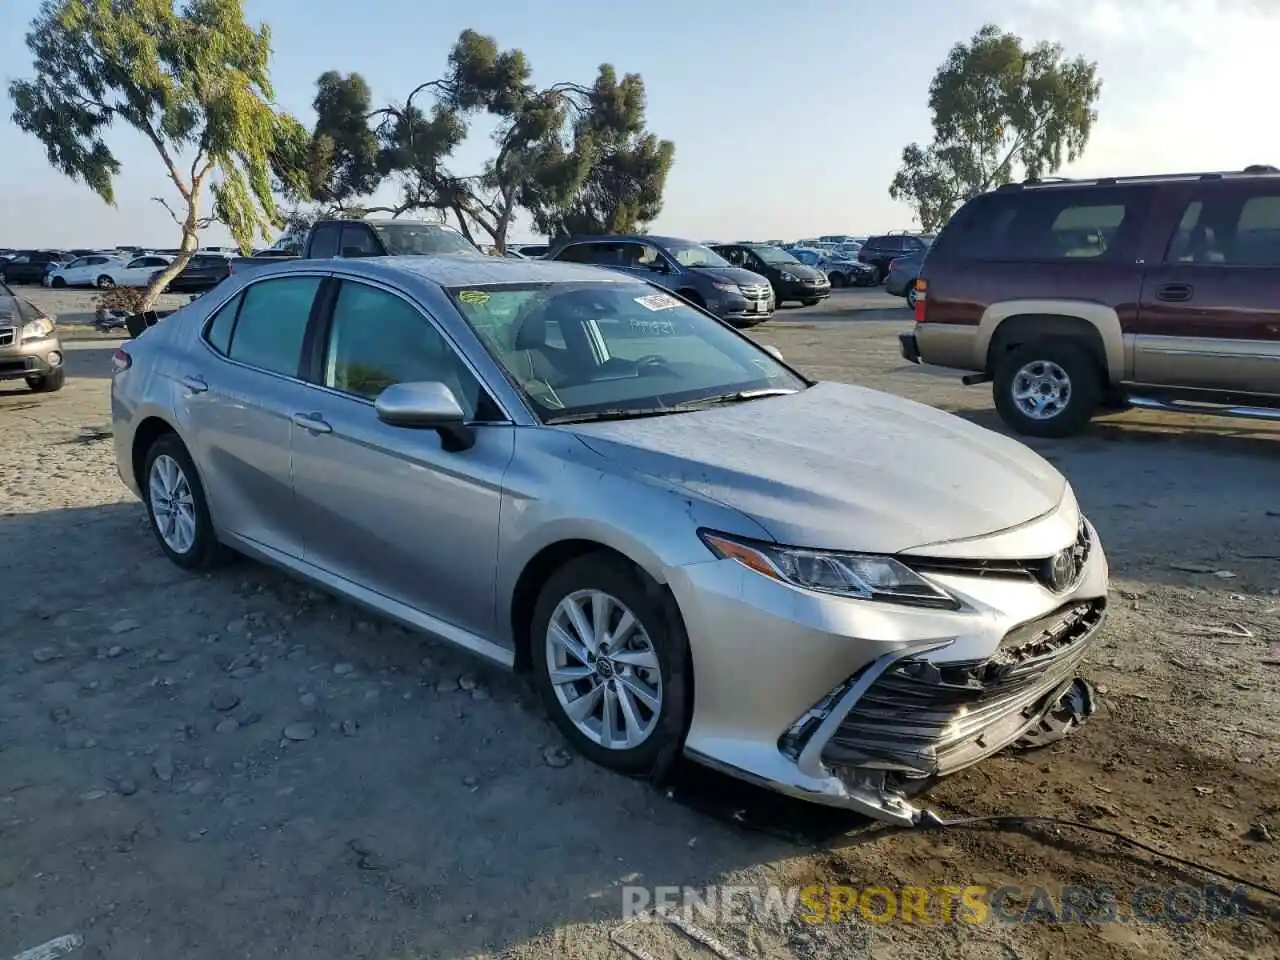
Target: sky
column 788, row 119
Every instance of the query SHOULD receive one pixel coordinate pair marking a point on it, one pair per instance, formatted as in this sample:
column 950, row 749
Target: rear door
column 1209, row 316
column 240, row 398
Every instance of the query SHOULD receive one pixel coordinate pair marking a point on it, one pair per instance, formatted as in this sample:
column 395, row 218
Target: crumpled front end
column 910, row 694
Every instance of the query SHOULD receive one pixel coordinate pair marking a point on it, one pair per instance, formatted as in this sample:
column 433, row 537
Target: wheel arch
column 1005, row 326
column 151, row 429
column 539, row 568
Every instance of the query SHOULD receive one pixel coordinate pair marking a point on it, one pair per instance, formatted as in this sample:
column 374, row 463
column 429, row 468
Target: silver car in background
column 693, row 548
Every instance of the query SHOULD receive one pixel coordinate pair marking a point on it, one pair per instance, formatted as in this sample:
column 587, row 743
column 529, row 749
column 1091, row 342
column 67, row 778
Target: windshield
column 574, row 349
column 410, row 239
column 773, row 255
column 695, row 255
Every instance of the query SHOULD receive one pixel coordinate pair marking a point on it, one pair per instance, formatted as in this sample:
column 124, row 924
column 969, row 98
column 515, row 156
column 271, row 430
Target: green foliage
column 574, row 157
column 998, row 108
column 193, row 81
column 613, row 180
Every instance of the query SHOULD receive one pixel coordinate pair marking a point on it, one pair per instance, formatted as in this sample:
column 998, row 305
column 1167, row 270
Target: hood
column 799, row 270
column 841, row 467
column 728, row 275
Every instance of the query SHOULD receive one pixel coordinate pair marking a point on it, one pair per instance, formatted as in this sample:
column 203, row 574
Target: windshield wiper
column 740, row 396
column 619, row 413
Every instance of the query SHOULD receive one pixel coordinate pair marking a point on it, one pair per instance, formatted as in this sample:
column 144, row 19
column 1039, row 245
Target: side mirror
column 774, row 352
column 426, row 406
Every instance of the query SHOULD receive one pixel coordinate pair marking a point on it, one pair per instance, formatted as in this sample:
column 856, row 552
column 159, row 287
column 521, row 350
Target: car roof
column 461, row 270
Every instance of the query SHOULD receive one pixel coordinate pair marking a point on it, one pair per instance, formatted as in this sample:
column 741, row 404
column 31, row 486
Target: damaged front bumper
column 923, row 693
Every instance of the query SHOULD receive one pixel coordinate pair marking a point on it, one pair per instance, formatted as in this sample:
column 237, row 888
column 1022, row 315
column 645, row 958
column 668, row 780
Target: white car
column 133, row 273
column 82, row 271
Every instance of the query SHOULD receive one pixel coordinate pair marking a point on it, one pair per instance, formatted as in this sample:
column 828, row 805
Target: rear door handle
column 195, row 383
column 1175, row 292
column 312, row 422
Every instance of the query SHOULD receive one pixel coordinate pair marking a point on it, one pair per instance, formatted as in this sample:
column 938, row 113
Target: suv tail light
column 120, row 361
column 922, row 288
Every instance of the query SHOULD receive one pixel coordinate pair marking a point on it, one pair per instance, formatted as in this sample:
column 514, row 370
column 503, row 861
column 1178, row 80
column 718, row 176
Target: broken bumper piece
column 905, row 720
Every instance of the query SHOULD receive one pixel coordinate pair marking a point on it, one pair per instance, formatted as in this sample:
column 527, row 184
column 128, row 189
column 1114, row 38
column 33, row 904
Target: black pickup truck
column 366, row 238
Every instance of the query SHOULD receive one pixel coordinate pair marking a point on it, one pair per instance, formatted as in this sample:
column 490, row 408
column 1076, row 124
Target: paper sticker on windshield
column 474, row 296
column 658, row 301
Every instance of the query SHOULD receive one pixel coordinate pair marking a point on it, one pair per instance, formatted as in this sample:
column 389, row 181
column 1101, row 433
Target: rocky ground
column 234, row 765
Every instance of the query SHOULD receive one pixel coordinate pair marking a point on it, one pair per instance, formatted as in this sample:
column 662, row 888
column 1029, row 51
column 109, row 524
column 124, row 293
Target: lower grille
column 927, row 719
column 6, row 336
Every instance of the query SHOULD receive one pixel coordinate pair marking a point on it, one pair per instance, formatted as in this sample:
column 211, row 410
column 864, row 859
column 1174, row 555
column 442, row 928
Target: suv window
column 358, row 241
column 1051, row 225
column 1224, row 229
column 272, row 322
column 600, row 254
column 377, row 339
column 324, row 241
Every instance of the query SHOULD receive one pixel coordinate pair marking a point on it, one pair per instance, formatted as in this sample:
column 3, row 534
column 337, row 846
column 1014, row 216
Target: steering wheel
column 650, row 361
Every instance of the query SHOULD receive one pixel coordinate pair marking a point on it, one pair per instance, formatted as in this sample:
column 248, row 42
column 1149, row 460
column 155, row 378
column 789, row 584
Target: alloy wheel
column 1041, row 389
column 604, row 669
column 172, row 505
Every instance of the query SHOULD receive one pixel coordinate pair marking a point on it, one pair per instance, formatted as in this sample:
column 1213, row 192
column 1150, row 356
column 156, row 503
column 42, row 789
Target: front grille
column 925, row 719
column 1039, row 569
column 755, row 291
column 6, row 336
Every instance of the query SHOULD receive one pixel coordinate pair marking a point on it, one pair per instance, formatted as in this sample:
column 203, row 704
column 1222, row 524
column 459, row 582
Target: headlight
column 789, row 277
column 728, row 287
column 861, row 576
column 37, row 329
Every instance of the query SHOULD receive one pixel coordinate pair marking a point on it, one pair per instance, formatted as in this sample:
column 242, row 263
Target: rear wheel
column 611, row 662
column 49, row 383
column 177, row 507
column 104, row 282
column 1047, row 388
column 809, row 303
column 912, row 296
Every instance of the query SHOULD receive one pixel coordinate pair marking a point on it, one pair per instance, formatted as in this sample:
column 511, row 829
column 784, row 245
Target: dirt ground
column 234, row 765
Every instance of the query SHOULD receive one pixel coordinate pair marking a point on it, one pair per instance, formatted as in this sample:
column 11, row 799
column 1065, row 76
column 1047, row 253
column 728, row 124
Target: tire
column 49, row 383
column 659, row 632
column 877, row 277
column 204, row 551
column 1084, row 384
column 837, row 280
column 911, row 295
column 58, row 283
column 104, row 282
column 809, row 303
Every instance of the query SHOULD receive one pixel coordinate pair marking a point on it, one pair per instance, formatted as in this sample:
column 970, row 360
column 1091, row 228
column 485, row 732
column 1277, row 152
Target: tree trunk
column 190, row 243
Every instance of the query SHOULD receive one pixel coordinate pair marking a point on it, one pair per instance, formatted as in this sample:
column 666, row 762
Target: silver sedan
column 691, row 547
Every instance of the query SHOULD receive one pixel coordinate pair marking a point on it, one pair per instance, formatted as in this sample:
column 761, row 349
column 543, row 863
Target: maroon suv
column 1071, row 296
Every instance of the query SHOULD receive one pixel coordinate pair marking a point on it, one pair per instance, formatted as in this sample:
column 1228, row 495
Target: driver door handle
column 312, row 422
column 195, row 383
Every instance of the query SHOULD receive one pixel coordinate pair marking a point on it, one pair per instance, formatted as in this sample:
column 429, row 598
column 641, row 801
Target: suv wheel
column 836, row 279
column 49, row 383
column 1047, row 388
column 911, row 295
column 105, row 283
column 58, row 282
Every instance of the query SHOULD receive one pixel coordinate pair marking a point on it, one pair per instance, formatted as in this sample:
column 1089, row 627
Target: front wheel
column 611, row 662
column 836, row 279
column 1047, row 388
column 58, row 283
column 808, row 303
column 49, row 383
column 177, row 507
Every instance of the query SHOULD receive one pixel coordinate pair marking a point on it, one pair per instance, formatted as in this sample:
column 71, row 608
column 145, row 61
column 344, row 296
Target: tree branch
column 154, row 137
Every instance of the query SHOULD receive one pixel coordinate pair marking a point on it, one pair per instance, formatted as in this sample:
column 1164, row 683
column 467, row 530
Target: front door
column 389, row 508
column 236, row 404
column 1209, row 316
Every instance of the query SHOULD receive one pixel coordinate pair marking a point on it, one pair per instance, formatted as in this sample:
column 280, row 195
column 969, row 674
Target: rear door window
column 1239, row 227
column 272, row 324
